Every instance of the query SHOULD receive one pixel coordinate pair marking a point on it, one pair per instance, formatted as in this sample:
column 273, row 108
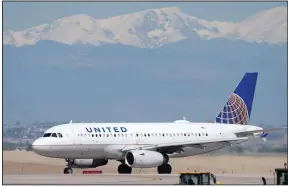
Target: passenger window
column 145, row 135
column 184, row 134
column 54, row 135
column 199, row 134
column 170, row 134
column 107, row 135
column 122, row 134
column 177, row 134
column 114, row 135
column 99, row 135
column 206, row 134
column 173, row 134
column 47, row 135
column 92, row 135
column 163, row 134
column 136, row 134
column 148, row 134
column 188, row 134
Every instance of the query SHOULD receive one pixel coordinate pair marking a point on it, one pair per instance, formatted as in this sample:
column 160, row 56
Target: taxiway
column 122, row 179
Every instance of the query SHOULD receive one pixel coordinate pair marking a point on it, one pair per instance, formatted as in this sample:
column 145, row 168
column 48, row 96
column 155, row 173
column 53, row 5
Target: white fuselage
column 106, row 140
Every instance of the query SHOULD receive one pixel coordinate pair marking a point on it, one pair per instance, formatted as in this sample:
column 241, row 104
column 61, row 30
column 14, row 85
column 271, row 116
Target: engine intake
column 89, row 163
column 145, row 159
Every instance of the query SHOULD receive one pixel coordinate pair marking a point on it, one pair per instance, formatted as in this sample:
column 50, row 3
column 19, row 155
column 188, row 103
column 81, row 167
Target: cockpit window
column 54, row 135
column 59, row 135
column 47, row 135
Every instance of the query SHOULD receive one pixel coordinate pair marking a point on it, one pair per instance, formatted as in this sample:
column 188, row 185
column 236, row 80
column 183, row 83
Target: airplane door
column 78, row 139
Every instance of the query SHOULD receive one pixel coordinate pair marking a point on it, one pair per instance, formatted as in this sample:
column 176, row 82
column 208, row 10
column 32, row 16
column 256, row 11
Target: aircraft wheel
column 68, row 171
column 123, row 168
column 164, row 169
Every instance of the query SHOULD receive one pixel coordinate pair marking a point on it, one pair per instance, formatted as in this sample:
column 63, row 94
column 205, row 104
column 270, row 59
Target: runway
column 123, row 179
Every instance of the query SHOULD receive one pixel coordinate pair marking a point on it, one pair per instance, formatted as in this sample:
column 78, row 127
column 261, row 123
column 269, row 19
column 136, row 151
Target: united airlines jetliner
column 145, row 145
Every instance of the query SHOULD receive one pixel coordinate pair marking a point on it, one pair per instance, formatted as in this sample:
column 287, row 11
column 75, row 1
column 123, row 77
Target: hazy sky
column 21, row 15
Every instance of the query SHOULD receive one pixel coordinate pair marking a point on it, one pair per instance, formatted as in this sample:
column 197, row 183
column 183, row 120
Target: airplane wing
column 179, row 145
column 241, row 137
column 250, row 133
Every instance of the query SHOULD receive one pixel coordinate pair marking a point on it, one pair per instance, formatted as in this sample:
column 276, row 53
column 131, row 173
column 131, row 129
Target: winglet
column 70, row 122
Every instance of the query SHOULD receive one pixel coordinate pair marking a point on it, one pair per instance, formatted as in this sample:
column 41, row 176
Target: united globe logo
column 235, row 111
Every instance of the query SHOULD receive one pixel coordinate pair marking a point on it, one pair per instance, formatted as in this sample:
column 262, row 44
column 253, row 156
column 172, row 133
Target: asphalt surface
column 123, row 179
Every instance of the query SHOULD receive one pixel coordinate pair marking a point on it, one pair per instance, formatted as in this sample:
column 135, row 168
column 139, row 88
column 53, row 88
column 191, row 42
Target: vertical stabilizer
column 237, row 110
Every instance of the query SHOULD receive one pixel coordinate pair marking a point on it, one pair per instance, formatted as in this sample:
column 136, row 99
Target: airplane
column 146, row 145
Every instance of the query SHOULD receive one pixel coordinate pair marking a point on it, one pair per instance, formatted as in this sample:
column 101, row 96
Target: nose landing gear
column 68, row 169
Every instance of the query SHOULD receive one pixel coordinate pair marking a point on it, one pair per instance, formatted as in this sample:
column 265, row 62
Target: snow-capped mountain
column 153, row 28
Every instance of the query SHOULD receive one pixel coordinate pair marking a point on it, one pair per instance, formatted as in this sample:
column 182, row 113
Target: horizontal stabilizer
column 247, row 133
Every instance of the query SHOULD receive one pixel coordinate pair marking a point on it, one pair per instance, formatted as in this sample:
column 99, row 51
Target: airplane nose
column 36, row 145
column 39, row 146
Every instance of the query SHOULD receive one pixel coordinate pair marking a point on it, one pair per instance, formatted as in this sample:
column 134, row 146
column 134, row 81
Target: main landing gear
column 164, row 169
column 68, row 169
column 124, row 169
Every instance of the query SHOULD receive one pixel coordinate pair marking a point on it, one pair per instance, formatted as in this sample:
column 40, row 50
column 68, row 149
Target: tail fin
column 237, row 109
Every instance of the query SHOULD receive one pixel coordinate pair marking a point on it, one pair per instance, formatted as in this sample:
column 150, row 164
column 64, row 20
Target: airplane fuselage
column 107, row 140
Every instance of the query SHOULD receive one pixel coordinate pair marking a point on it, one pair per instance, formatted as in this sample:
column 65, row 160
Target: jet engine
column 89, row 163
column 145, row 159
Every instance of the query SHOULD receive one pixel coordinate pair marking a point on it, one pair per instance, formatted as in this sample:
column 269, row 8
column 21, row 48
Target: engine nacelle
column 145, row 159
column 89, row 163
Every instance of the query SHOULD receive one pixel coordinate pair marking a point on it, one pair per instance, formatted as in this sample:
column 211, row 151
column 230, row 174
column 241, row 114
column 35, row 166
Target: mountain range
column 154, row 65
column 154, row 28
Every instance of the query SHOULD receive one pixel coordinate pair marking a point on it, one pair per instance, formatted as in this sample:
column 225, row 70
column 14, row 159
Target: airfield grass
column 23, row 162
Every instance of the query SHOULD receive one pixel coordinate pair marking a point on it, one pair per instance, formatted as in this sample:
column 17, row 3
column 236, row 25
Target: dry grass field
column 17, row 162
